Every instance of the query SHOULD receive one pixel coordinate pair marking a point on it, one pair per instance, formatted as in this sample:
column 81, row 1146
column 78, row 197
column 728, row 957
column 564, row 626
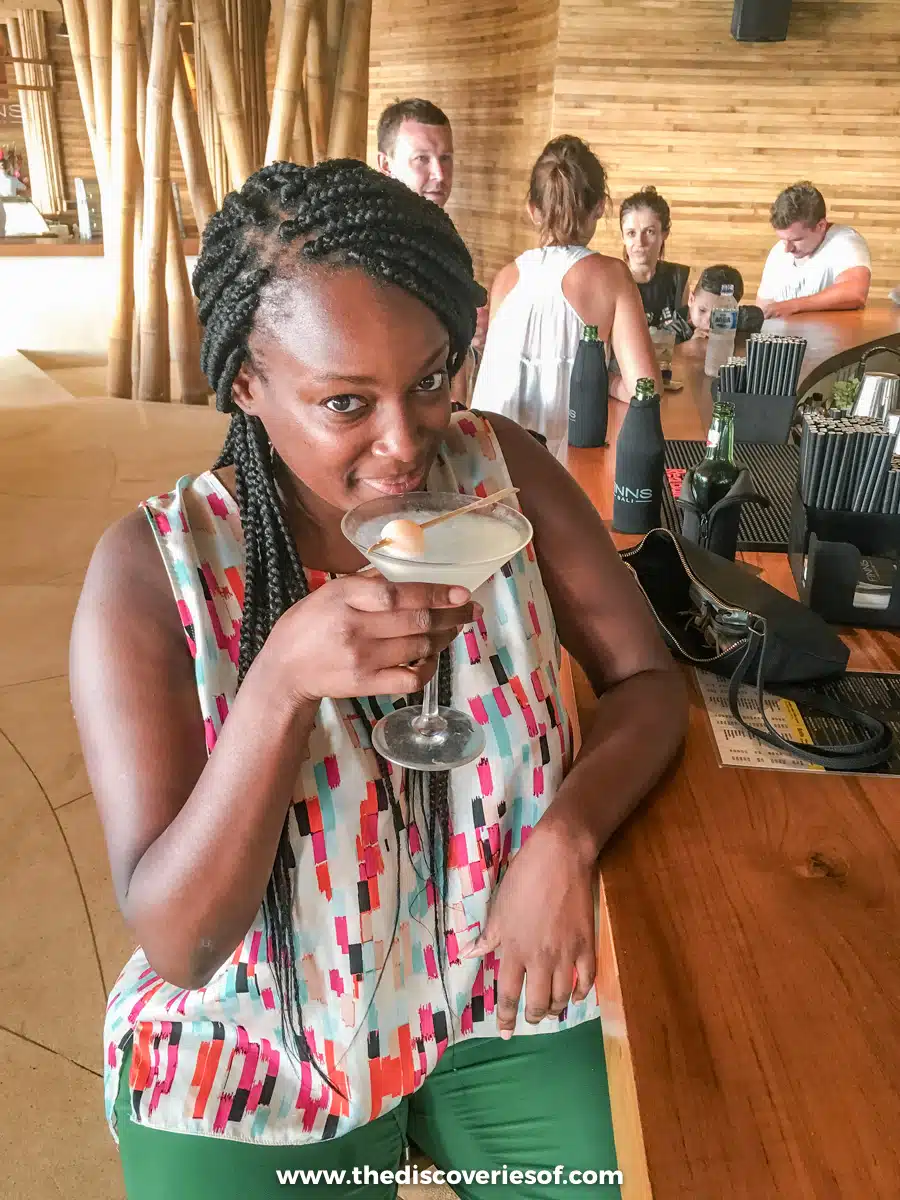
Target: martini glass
column 464, row 551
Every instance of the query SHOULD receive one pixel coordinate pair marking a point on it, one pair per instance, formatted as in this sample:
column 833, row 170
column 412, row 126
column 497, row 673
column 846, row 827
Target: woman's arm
column 191, row 840
column 605, row 624
column 630, row 335
column 542, row 915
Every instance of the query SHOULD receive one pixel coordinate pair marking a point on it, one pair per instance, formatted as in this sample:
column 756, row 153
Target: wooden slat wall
column 489, row 65
column 665, row 96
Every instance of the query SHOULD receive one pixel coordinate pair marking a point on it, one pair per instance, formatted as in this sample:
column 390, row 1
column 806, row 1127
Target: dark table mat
column 774, row 470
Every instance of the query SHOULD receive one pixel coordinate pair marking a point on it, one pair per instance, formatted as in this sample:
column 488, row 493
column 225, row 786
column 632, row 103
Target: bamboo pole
column 255, row 69
column 77, row 27
column 28, row 39
column 219, row 56
column 277, row 16
column 184, row 330
column 301, row 141
column 36, row 24
column 362, row 127
column 207, row 120
column 154, row 377
column 15, row 40
column 183, row 345
column 351, row 86
column 123, row 176
column 288, row 93
column 143, row 70
column 99, row 16
column 318, row 81
column 248, row 22
column 334, row 23
column 187, row 130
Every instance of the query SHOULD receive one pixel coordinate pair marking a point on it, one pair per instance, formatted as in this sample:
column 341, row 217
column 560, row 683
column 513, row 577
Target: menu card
column 874, row 692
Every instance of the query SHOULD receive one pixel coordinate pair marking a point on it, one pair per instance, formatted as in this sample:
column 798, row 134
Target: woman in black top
column 645, row 221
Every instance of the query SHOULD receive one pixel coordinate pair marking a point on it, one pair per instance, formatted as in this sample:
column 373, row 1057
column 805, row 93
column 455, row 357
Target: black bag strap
column 856, row 756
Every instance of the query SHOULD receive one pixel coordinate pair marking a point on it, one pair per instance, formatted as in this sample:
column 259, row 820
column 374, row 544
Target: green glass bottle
column 715, row 476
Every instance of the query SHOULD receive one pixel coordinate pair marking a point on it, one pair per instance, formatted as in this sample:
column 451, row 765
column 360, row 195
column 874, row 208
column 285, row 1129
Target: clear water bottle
column 722, row 329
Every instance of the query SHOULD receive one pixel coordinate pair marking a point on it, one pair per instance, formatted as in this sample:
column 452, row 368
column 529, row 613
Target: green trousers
column 537, row 1104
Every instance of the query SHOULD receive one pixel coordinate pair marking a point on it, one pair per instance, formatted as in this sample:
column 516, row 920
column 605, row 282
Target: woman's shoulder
column 126, row 583
column 595, row 285
column 504, row 281
column 132, row 550
column 597, row 266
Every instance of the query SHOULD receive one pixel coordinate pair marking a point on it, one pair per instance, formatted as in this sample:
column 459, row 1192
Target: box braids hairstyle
column 343, row 213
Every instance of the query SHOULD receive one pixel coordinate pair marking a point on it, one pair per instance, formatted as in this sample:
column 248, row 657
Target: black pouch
column 716, row 616
column 717, row 530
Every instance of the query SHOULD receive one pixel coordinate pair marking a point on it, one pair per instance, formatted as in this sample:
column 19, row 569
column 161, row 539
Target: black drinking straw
column 827, row 468
column 840, row 486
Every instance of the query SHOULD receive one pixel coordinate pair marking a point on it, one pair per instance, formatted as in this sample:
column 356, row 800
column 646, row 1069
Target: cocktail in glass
column 464, row 551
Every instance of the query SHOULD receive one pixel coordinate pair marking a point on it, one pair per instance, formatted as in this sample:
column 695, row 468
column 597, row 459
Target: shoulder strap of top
column 197, row 527
column 681, row 277
column 549, row 264
column 471, row 451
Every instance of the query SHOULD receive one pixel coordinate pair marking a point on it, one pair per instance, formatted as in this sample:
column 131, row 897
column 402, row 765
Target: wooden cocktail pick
column 481, row 502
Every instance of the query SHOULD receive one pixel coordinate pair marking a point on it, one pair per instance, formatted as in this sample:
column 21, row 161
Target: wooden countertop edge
column 52, row 248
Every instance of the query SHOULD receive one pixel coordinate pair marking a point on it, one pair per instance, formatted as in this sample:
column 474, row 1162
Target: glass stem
column 429, row 722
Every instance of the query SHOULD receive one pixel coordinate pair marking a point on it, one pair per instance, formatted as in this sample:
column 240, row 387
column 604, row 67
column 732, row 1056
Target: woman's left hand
column 542, row 921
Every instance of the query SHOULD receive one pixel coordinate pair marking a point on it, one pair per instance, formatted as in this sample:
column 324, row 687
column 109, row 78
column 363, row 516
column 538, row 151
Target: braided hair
column 343, row 213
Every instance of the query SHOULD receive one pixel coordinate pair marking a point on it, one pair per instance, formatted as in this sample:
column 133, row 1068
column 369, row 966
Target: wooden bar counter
column 755, row 920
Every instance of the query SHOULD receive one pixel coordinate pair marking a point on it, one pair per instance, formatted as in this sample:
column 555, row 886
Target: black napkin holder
column 826, row 548
column 759, row 418
column 717, row 530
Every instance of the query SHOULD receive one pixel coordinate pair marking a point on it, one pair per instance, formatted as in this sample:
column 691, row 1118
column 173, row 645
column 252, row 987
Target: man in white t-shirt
column 815, row 266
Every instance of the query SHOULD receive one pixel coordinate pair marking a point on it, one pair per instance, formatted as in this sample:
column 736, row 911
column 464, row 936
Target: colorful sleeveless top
column 212, row 1060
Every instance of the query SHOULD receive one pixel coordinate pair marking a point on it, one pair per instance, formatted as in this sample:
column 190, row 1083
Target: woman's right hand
column 364, row 636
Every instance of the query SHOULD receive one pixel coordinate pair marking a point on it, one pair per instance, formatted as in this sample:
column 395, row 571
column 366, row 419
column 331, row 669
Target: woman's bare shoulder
column 127, row 579
column 595, row 286
column 504, row 282
column 603, row 268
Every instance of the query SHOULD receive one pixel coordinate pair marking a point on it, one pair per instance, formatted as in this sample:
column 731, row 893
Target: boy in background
column 691, row 323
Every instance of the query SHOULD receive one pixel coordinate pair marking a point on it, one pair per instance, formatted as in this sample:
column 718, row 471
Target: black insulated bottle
column 589, row 392
column 640, row 464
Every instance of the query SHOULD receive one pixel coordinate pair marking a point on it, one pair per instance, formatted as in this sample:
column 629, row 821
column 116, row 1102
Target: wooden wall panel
column 489, row 65
column 666, row 96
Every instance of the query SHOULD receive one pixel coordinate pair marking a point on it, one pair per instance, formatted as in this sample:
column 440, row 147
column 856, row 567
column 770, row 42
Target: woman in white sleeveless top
column 541, row 302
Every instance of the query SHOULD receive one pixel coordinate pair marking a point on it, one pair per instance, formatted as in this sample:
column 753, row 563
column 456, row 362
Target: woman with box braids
column 294, row 1006
column 340, row 213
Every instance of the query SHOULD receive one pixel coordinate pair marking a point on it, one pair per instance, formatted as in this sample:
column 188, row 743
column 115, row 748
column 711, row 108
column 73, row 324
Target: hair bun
column 649, row 190
column 565, row 149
